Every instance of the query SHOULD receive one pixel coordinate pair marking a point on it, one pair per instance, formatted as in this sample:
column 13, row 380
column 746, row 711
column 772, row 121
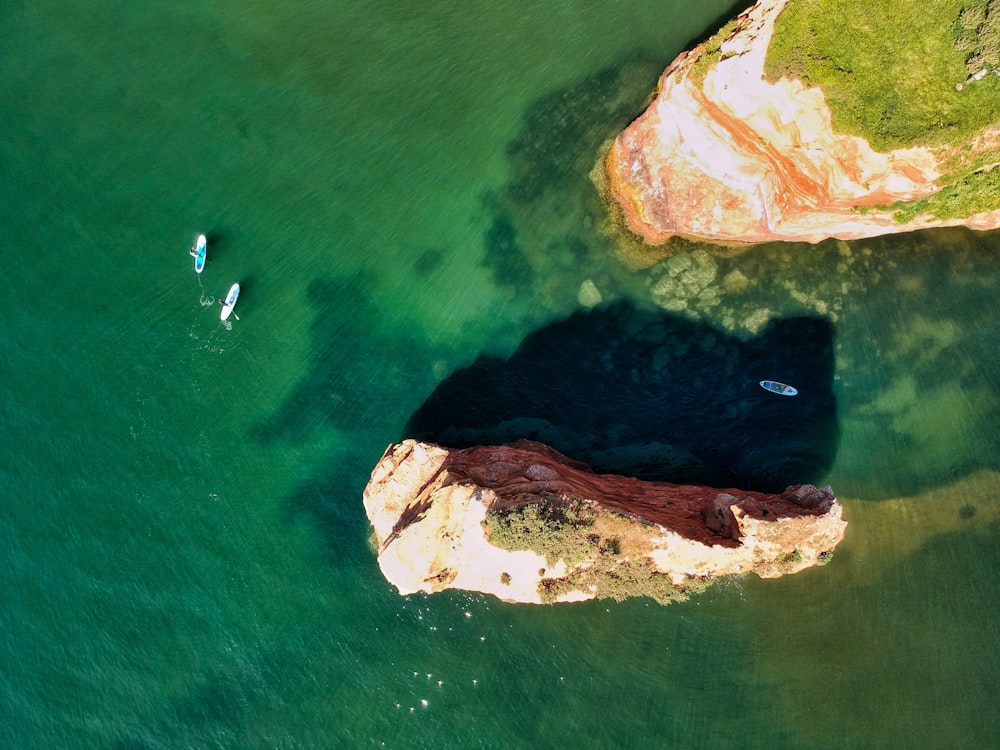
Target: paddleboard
column 230, row 301
column 198, row 251
column 780, row 388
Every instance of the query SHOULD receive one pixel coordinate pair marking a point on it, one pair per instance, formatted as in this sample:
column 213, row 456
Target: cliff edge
column 724, row 155
column 526, row 524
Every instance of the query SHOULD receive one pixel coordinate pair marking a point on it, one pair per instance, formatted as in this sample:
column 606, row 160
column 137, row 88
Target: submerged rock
column 686, row 281
column 589, row 295
column 526, row 524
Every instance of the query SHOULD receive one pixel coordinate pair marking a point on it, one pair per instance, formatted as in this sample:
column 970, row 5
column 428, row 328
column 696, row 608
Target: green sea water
column 399, row 190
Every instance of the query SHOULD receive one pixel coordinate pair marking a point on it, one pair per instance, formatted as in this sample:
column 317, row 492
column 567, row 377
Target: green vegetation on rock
column 892, row 73
column 555, row 530
column 973, row 193
column 620, row 580
column 713, row 51
column 605, row 551
column 978, row 36
column 901, row 75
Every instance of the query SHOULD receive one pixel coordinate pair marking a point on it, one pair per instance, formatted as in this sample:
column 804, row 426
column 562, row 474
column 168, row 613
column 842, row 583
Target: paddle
column 233, row 312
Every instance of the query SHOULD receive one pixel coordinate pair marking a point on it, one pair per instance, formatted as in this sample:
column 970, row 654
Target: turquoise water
column 402, row 191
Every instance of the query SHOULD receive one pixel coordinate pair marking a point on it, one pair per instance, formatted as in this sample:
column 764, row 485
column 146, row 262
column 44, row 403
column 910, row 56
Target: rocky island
column 526, row 524
column 802, row 120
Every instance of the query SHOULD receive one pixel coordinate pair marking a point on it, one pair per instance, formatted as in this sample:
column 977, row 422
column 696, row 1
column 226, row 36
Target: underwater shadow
column 217, row 238
column 347, row 396
column 541, row 227
column 348, row 392
column 649, row 394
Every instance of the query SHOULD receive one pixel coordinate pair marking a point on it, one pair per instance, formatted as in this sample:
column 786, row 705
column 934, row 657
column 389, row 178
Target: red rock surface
column 733, row 158
column 525, row 471
column 427, row 505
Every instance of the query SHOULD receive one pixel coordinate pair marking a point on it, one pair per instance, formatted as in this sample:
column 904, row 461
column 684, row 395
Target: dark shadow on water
column 649, row 394
column 330, row 503
column 362, row 378
column 216, row 238
column 358, row 365
column 631, row 392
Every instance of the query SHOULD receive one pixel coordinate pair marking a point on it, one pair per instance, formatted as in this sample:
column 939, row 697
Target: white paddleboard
column 199, row 251
column 230, row 301
column 780, row 388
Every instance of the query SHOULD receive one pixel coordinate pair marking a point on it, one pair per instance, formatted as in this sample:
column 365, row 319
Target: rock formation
column 527, row 524
column 726, row 156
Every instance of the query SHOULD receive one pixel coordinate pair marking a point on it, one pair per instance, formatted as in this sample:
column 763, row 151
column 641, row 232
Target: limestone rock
column 732, row 158
column 589, row 295
column 438, row 515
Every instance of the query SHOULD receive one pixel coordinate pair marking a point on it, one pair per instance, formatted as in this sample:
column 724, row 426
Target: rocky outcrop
column 726, row 156
column 527, row 524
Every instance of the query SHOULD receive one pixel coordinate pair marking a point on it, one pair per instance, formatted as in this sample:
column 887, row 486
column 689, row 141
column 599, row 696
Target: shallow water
column 402, row 193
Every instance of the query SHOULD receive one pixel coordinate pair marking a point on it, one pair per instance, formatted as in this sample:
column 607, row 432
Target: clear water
column 402, row 191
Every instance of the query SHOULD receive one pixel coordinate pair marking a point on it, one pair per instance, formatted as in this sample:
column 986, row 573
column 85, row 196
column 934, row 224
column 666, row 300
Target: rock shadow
column 358, row 367
column 649, row 394
column 382, row 363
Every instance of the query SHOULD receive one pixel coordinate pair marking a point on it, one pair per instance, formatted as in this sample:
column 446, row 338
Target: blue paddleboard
column 199, row 251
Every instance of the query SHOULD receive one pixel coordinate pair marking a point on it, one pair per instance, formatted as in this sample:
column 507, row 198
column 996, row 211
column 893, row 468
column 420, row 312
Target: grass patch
column 977, row 36
column 978, row 192
column 620, row 580
column 606, row 551
column 554, row 529
column 713, row 52
column 891, row 70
